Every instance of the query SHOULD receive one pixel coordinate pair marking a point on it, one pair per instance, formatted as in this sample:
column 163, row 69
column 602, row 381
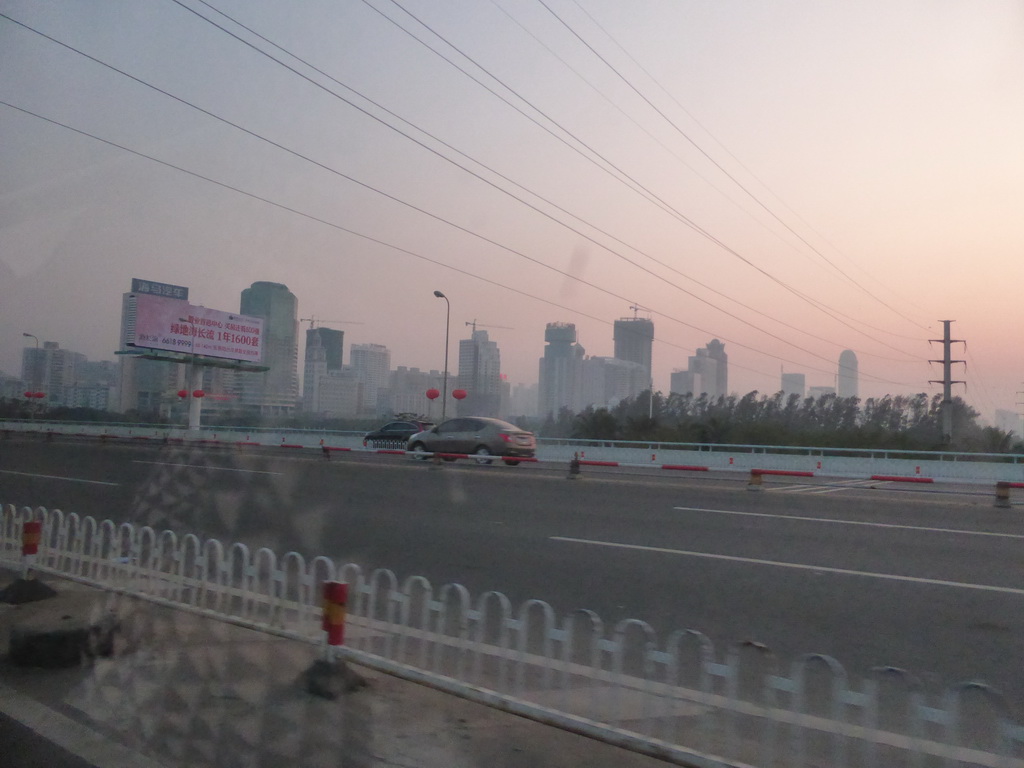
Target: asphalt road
column 928, row 579
column 24, row 748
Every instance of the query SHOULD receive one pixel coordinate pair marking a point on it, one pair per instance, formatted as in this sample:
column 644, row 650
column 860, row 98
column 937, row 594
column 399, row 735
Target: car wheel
column 483, row 455
column 418, row 451
column 512, row 462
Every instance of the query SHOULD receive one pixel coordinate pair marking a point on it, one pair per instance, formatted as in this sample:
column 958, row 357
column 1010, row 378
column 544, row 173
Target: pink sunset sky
column 793, row 178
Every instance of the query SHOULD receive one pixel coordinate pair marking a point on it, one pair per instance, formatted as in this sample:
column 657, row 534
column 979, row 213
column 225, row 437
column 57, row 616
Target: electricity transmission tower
column 947, row 380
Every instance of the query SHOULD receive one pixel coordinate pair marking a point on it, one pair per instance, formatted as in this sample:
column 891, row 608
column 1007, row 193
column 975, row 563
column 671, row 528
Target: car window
column 455, row 425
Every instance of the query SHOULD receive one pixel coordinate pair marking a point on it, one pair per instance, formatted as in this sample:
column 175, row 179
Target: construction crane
column 637, row 309
column 314, row 321
column 474, row 323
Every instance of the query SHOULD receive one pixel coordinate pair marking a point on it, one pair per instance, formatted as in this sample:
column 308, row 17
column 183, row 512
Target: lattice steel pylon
column 947, row 381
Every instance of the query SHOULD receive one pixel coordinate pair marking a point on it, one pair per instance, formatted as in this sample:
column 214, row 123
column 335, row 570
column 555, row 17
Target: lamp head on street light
column 440, row 295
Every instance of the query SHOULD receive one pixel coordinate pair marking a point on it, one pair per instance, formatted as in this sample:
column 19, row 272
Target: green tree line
column 910, row 422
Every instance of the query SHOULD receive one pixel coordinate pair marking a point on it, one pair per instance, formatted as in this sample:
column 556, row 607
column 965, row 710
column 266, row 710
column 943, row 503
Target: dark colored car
column 395, row 434
column 478, row 436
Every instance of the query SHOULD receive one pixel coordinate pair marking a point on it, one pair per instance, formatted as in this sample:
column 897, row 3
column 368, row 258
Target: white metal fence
column 675, row 698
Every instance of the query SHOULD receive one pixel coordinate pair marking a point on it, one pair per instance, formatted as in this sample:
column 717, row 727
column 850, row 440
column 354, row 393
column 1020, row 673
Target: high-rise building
column 680, row 382
column 634, row 338
column 33, row 368
column 324, row 348
column 560, row 379
column 699, row 378
column 276, row 390
column 847, row 381
column 95, row 385
column 52, row 371
column 11, row 387
column 705, row 370
column 340, row 394
column 794, row 384
column 371, row 364
column 609, row 380
column 479, row 376
column 523, row 400
column 407, row 393
column 706, row 373
column 147, row 386
column 716, row 351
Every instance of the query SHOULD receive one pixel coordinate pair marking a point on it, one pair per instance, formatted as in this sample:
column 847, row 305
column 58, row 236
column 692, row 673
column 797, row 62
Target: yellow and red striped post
column 335, row 602
column 31, row 533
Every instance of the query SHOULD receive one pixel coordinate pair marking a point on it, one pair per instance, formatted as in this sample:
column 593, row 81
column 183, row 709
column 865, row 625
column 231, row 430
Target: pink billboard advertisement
column 177, row 326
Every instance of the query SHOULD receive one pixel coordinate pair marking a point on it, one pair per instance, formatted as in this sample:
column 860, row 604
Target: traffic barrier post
column 756, row 481
column 574, row 467
column 335, row 602
column 331, row 677
column 1003, row 494
column 30, row 536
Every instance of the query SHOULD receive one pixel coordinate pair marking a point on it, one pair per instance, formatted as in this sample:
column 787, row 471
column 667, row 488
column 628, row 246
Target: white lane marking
column 854, row 522
column 845, row 485
column 796, row 566
column 55, row 477
column 203, row 466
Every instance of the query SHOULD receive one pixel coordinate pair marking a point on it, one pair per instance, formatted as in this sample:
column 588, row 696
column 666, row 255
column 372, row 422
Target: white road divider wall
column 675, row 698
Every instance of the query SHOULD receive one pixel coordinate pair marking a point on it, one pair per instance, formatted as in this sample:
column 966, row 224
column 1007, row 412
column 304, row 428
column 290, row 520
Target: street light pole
column 447, row 326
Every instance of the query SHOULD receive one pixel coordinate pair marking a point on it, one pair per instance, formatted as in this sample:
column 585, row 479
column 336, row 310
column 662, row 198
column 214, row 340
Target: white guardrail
column 913, row 466
column 675, row 698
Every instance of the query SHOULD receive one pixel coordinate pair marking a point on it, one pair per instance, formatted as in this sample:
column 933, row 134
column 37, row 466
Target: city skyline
column 568, row 376
column 688, row 163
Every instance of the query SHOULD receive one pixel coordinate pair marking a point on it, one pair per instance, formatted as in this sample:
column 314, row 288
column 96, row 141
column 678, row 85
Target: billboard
column 177, row 326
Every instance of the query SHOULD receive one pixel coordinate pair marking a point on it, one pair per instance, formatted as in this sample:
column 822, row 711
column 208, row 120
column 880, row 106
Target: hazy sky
column 793, row 178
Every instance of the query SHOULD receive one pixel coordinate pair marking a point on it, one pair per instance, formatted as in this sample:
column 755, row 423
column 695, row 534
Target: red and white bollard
column 31, row 534
column 335, row 603
column 331, row 677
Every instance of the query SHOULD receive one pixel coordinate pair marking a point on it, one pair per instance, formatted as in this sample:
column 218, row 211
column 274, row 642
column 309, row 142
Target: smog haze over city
column 792, row 178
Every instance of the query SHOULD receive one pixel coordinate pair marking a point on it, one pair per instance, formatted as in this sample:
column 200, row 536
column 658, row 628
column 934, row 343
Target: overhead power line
column 393, row 198
column 718, row 165
column 397, row 248
column 739, row 162
column 647, row 193
column 510, row 181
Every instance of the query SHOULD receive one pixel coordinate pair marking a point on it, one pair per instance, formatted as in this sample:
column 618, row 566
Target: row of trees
column 912, row 422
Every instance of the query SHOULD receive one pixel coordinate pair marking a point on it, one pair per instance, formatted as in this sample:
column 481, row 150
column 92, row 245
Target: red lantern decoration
column 39, row 394
column 459, row 394
column 29, row 394
column 183, row 393
column 198, row 393
column 433, row 394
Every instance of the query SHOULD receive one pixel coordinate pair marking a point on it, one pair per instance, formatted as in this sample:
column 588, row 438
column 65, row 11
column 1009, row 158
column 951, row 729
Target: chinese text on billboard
column 177, row 326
